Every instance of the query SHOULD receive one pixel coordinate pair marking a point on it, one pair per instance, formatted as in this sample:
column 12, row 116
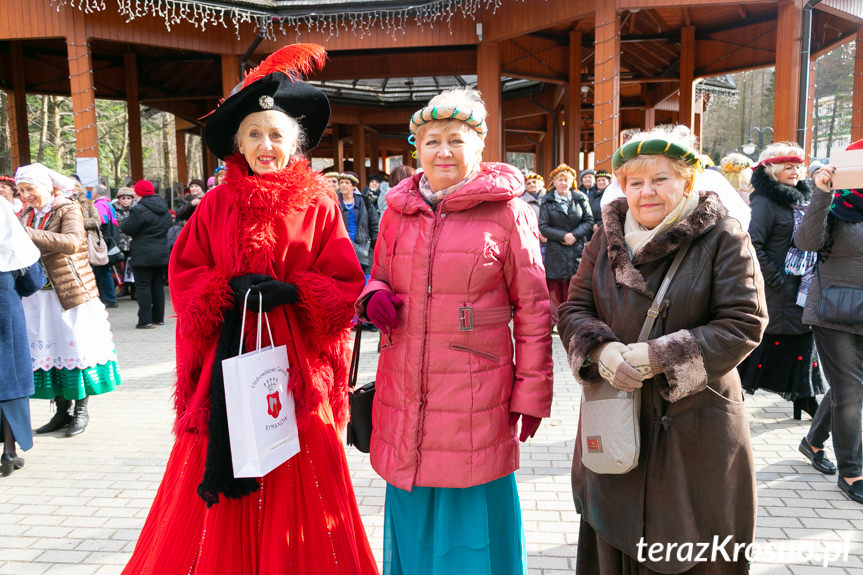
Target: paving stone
column 78, row 506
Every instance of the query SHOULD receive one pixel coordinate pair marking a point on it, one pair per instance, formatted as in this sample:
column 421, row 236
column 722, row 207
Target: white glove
column 638, row 356
column 613, row 367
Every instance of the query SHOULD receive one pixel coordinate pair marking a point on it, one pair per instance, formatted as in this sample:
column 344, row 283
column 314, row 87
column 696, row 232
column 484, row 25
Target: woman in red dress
column 273, row 227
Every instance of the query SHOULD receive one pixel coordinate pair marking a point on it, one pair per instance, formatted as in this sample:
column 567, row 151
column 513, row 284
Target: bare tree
column 167, row 125
column 43, row 129
column 5, row 139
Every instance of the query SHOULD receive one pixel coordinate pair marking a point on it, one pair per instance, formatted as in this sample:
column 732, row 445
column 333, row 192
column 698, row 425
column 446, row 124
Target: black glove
column 272, row 294
column 241, row 284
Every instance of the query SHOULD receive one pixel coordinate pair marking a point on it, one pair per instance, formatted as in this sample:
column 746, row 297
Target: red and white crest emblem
column 274, row 404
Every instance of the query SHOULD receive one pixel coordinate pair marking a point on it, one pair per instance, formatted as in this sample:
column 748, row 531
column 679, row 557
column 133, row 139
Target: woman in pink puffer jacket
column 457, row 260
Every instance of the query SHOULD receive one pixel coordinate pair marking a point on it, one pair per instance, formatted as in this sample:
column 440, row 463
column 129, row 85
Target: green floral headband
column 652, row 147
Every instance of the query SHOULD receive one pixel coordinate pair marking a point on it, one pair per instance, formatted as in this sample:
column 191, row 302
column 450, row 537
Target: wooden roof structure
column 559, row 76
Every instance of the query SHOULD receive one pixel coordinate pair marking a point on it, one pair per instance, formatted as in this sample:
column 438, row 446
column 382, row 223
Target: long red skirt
column 303, row 519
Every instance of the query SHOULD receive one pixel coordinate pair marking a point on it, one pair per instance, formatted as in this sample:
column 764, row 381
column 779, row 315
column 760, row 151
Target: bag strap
column 653, row 312
column 355, row 357
column 243, row 324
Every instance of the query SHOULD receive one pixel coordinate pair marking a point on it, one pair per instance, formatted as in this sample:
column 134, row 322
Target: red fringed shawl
column 287, row 225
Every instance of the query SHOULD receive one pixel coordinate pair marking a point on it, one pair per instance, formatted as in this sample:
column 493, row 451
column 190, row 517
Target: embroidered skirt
column 444, row 531
column 303, row 519
column 72, row 350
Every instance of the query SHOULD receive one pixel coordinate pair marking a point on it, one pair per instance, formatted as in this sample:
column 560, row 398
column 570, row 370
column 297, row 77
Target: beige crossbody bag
column 610, row 436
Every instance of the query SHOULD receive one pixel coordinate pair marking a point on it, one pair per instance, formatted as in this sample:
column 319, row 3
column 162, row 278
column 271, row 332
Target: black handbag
column 111, row 233
column 359, row 431
column 839, row 304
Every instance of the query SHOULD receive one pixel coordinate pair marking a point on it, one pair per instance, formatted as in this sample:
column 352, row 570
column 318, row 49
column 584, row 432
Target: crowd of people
column 669, row 281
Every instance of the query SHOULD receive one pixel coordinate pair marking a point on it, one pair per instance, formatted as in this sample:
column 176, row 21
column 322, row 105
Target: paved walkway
column 79, row 504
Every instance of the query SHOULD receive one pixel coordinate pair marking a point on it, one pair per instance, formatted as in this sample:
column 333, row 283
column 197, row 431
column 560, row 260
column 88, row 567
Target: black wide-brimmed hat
column 274, row 85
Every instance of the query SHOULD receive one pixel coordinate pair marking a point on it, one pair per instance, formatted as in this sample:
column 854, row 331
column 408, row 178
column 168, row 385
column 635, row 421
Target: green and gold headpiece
column 430, row 114
column 653, row 147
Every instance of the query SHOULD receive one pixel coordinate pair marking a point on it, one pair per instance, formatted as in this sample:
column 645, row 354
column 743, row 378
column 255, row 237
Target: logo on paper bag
column 594, row 444
column 274, row 404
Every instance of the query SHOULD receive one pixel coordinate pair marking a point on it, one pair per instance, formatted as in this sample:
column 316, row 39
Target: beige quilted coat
column 63, row 244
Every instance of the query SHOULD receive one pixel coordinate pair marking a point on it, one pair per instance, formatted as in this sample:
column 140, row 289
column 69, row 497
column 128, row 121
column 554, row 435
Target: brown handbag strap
column 355, row 357
column 653, row 312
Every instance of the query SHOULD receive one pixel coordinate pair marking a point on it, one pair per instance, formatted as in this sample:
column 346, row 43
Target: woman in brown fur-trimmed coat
column 695, row 477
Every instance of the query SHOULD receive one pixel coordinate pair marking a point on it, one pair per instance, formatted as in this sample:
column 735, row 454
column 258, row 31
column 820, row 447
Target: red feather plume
column 294, row 60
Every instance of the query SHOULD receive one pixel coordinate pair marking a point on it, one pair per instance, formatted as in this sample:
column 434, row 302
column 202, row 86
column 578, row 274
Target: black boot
column 79, row 423
column 807, row 404
column 61, row 419
column 10, row 462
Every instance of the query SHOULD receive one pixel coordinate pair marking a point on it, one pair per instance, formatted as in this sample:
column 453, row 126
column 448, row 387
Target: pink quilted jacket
column 453, row 369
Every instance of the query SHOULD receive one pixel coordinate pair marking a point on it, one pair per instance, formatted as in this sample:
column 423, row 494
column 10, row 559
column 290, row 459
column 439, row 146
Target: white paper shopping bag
column 261, row 420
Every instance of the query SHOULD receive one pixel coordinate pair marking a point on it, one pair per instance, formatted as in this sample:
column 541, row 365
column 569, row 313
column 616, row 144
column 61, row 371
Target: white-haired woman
column 786, row 362
column 70, row 338
column 457, row 260
column 695, row 478
column 272, row 229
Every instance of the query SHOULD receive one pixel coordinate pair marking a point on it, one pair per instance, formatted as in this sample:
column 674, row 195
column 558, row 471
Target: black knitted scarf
column 218, row 470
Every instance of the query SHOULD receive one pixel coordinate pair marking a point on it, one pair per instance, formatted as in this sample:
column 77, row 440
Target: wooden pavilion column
column 687, row 75
column 18, row 128
column 182, row 170
column 560, row 118
column 83, row 92
column 338, row 149
column 810, row 109
column 787, row 83
column 649, row 115
column 606, row 108
column 231, row 76
column 133, row 111
column 230, row 72
column 488, row 82
column 697, row 122
column 375, row 163
column 548, row 159
column 573, row 125
column 210, row 159
column 857, row 95
column 359, row 154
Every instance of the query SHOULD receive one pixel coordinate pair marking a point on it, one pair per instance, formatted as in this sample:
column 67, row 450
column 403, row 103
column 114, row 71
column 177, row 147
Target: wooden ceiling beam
column 521, row 107
column 646, row 4
column 652, row 80
column 656, row 19
column 357, row 65
column 641, row 67
column 658, row 93
column 522, row 18
column 524, row 131
column 534, row 77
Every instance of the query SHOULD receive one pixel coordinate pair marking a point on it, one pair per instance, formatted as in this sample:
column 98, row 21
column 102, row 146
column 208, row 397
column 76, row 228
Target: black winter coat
column 561, row 261
column 595, row 200
column 771, row 229
column 148, row 225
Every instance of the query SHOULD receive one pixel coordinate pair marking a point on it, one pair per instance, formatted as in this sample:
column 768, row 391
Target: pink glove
column 381, row 310
column 529, row 424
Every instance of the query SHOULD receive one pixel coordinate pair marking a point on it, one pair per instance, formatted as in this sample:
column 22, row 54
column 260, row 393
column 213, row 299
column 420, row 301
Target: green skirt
column 76, row 383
